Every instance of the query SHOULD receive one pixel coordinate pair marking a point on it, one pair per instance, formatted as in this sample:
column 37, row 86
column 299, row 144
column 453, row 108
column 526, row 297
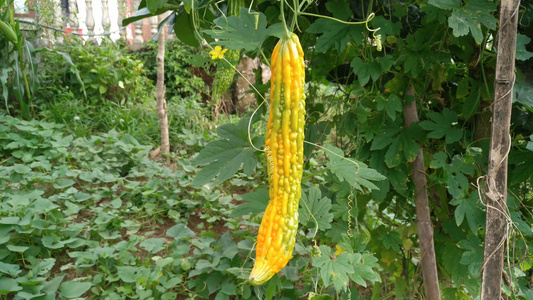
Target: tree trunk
column 495, row 183
column 160, row 89
column 424, row 225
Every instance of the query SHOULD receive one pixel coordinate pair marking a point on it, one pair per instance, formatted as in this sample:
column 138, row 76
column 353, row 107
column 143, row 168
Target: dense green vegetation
column 87, row 212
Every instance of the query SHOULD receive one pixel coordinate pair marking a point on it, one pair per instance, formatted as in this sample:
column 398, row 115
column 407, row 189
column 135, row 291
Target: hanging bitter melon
column 284, row 152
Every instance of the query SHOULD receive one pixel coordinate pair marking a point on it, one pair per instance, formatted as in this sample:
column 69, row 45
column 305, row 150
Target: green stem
column 286, row 32
column 368, row 19
column 267, row 62
column 483, row 46
column 294, row 22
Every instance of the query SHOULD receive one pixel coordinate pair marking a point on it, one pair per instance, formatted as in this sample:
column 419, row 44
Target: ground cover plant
column 86, row 212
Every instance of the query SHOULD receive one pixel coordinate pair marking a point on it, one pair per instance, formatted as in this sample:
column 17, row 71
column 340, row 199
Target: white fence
column 93, row 19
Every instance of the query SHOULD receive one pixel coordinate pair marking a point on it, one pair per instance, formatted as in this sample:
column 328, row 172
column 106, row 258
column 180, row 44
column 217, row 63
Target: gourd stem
column 286, row 33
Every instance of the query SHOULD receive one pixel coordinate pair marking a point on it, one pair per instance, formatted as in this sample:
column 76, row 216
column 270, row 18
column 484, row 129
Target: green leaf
column 335, row 34
column 471, row 209
column 365, row 71
column 9, row 285
column 21, row 169
column 445, row 4
column 180, row 231
column 340, row 9
column 74, row 289
column 226, row 155
column 245, row 32
column 18, row 249
column 184, row 29
column 391, row 240
column 227, row 245
column 473, row 256
column 10, row 220
column 356, row 173
column 471, row 16
column 131, row 274
column 364, row 265
column 138, row 15
column 333, row 270
column 254, row 203
column 153, row 245
column 63, row 183
column 521, row 52
column 10, row 269
column 443, row 125
column 315, row 209
column 154, row 5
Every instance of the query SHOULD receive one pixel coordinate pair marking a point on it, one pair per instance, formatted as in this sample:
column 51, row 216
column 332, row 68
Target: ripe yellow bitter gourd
column 284, row 151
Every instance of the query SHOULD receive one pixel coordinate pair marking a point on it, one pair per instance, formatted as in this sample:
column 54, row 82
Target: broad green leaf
column 365, row 71
column 19, row 249
column 471, row 16
column 131, row 274
column 364, row 265
column 443, row 125
column 356, row 173
column 391, row 240
column 523, row 93
column 154, row 5
column 153, row 245
column 74, row 289
column 10, row 220
column 226, row 155
column 335, row 34
column 184, row 29
column 63, row 183
column 254, row 203
column 333, row 270
column 245, row 32
column 21, row 169
column 521, row 52
column 8, row 285
column 340, row 9
column 10, row 269
column 315, row 209
column 180, row 232
column 138, row 15
column 446, row 4
column 471, row 209
column 384, row 139
column 473, row 256
column 227, row 245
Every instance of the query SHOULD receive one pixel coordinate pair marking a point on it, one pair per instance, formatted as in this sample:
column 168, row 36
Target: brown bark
column 160, row 89
column 495, row 183
column 423, row 220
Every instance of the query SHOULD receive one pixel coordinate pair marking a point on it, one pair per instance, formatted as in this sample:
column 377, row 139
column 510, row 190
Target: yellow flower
column 217, row 52
column 339, row 250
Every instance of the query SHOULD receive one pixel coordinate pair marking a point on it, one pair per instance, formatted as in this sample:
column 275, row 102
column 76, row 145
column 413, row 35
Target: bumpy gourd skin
column 225, row 72
column 284, row 151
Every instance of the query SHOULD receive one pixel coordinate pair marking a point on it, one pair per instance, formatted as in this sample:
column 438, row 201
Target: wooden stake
column 495, row 183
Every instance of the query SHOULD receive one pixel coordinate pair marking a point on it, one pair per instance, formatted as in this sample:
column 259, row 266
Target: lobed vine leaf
column 245, row 32
column 333, row 270
column 318, row 207
column 471, row 16
column 443, row 125
column 225, row 156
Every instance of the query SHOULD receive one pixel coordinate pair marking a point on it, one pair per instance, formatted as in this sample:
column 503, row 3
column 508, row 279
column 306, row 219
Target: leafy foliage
column 91, row 214
column 180, row 83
